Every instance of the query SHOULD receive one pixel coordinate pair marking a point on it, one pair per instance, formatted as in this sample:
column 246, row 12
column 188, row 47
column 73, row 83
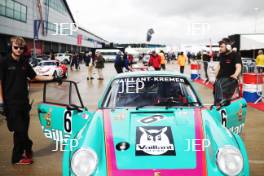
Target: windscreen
column 151, row 91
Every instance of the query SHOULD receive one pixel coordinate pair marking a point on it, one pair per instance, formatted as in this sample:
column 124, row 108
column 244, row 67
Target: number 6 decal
column 152, row 119
column 68, row 121
column 224, row 117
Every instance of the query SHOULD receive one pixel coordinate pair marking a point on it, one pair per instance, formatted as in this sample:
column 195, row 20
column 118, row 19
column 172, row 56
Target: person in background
column 52, row 56
column 230, row 62
column 15, row 71
column 99, row 65
column 74, row 61
column 130, row 59
column 121, row 62
column 260, row 61
column 89, row 62
column 169, row 56
column 198, row 56
column 206, row 60
column 155, row 60
column 189, row 56
column 181, row 61
column 227, row 71
column 163, row 60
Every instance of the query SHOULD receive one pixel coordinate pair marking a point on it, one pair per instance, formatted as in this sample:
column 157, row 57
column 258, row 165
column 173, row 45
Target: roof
column 69, row 10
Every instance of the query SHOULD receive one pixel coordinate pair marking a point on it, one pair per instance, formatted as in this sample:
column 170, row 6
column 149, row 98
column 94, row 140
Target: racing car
column 147, row 124
column 51, row 67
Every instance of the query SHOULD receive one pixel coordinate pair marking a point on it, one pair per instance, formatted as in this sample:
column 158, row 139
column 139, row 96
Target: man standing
column 99, row 65
column 260, row 61
column 155, row 60
column 163, row 60
column 89, row 62
column 15, row 71
column 121, row 61
column 206, row 60
column 227, row 71
column 181, row 61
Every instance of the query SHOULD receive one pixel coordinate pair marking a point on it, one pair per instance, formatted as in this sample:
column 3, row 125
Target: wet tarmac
column 47, row 162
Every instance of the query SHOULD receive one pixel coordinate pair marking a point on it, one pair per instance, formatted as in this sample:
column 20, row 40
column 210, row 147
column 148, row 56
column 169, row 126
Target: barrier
column 252, row 87
column 211, row 71
column 195, row 71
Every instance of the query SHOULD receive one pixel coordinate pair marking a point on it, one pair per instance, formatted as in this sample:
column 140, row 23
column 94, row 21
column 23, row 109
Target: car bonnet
column 148, row 141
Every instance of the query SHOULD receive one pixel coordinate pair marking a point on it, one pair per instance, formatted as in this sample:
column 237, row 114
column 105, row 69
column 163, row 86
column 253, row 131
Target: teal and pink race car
column 146, row 124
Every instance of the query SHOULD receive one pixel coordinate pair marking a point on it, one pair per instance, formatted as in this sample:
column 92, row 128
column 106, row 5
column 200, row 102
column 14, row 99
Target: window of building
column 13, row 9
column 10, row 8
column 57, row 5
column 23, row 13
column 2, row 7
column 17, row 11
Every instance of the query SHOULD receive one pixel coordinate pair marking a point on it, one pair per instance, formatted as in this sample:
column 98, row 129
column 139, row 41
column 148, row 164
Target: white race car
column 49, row 68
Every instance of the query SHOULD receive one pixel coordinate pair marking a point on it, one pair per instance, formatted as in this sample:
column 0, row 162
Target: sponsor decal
column 47, row 117
column 154, row 140
column 155, row 79
column 237, row 129
column 56, row 135
column 137, row 84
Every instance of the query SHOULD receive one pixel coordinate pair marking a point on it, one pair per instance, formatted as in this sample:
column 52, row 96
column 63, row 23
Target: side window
column 57, row 94
column 65, row 94
column 74, row 97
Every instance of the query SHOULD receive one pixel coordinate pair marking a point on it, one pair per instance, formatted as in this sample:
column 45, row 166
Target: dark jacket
column 99, row 62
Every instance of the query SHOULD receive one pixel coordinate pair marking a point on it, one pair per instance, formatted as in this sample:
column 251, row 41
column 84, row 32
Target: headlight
column 230, row 160
column 84, row 162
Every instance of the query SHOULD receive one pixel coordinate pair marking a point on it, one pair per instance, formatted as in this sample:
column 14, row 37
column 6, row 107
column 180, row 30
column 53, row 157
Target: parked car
column 63, row 58
column 145, row 59
column 51, row 67
column 147, row 123
column 109, row 54
column 34, row 61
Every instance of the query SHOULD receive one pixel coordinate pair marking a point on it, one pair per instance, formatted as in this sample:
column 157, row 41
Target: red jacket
column 155, row 61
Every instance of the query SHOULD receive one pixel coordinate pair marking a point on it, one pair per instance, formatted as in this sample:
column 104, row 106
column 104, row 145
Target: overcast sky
column 174, row 21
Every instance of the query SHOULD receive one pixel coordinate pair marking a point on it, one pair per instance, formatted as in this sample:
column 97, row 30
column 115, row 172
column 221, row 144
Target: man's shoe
column 88, row 78
column 29, row 155
column 24, row 161
column 92, row 78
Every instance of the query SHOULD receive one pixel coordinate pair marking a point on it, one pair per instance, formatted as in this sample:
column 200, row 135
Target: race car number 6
column 68, row 121
column 224, row 117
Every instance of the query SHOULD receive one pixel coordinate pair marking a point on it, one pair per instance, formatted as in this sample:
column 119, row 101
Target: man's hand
column 234, row 76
